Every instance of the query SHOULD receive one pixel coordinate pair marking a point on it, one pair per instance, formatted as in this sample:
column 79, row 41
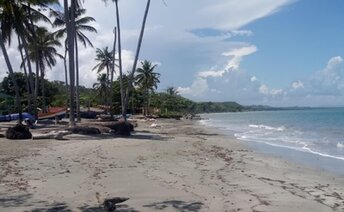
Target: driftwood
column 110, row 204
column 84, row 130
column 58, row 135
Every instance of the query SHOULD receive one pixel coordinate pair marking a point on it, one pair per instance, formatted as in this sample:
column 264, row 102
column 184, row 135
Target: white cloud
column 264, row 89
column 297, row 84
column 237, row 55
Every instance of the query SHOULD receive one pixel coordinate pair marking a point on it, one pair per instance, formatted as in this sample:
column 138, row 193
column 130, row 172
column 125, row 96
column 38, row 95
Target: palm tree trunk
column 112, row 72
column 26, row 48
column 34, row 98
column 124, row 110
column 66, row 74
column 77, row 100
column 36, row 83
column 27, row 84
column 70, row 22
column 107, row 103
column 131, row 77
column 13, row 78
column 148, row 103
column 44, row 104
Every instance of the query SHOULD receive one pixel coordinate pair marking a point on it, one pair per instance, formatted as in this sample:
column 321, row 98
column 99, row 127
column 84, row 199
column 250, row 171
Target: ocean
column 313, row 133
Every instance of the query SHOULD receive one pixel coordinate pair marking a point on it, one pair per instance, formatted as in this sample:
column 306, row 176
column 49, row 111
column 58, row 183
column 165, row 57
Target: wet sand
column 175, row 166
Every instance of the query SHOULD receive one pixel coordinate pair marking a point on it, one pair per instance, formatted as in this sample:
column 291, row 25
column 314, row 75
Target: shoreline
column 175, row 166
column 304, row 158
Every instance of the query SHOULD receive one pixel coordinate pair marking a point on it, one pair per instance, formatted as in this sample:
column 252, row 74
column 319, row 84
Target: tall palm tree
column 148, row 80
column 70, row 25
column 81, row 25
column 42, row 51
column 120, row 60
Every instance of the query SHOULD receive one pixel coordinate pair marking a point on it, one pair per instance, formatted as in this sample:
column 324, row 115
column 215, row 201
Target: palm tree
column 172, row 91
column 81, row 24
column 42, row 51
column 105, row 60
column 70, row 25
column 101, row 87
column 148, row 80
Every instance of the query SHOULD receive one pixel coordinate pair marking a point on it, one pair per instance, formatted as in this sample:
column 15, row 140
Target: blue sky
column 271, row 52
column 296, row 41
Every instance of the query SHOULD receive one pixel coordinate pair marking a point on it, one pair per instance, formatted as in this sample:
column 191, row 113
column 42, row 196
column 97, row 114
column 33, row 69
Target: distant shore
column 165, row 165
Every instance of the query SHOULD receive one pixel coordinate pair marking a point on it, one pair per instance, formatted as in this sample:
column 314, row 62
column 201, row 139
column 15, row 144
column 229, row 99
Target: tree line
column 144, row 97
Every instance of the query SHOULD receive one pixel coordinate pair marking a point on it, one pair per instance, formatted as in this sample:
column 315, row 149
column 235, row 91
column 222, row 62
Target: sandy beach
column 175, row 166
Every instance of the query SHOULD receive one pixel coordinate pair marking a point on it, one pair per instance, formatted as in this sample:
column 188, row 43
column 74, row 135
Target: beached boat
column 52, row 113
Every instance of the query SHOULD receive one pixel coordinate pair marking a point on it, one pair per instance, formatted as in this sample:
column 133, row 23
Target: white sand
column 175, row 166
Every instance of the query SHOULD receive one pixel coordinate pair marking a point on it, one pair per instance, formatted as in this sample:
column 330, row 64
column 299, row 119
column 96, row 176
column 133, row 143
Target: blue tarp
column 15, row 116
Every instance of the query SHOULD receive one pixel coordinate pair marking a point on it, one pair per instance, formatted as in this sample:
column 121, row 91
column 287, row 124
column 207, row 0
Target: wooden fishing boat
column 52, row 113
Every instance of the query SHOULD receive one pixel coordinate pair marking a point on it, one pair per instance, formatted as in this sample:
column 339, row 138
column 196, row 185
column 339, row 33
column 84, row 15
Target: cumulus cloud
column 296, row 85
column 237, row 55
column 229, row 82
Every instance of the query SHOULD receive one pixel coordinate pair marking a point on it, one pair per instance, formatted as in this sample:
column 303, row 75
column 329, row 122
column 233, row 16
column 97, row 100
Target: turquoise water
column 315, row 131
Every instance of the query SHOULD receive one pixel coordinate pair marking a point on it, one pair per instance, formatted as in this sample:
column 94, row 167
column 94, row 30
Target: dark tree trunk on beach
column 113, row 71
column 124, row 111
column 70, row 22
column 36, row 83
column 77, row 98
column 66, row 74
column 44, row 107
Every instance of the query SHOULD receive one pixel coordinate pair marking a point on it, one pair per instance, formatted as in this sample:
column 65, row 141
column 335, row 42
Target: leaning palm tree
column 147, row 80
column 42, row 50
column 132, row 74
column 81, row 25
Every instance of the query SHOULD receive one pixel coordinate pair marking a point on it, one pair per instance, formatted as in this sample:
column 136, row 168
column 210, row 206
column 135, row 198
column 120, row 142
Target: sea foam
column 340, row 145
column 266, row 127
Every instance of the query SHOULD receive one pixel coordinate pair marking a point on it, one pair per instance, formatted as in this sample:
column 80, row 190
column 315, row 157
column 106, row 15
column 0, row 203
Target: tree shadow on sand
column 176, row 204
column 15, row 200
column 24, row 200
column 56, row 207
